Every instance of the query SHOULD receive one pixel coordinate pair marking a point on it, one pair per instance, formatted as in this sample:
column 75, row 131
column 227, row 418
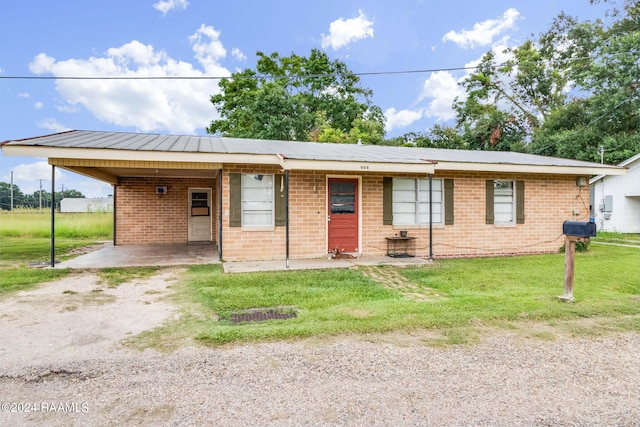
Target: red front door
column 343, row 214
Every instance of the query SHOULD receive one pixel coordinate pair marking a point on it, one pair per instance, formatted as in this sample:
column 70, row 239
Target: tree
column 571, row 92
column 21, row 200
column 605, row 69
column 297, row 98
column 440, row 136
column 5, row 196
column 507, row 102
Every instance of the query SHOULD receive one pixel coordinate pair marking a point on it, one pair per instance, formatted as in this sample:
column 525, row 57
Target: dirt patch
column 392, row 279
column 79, row 318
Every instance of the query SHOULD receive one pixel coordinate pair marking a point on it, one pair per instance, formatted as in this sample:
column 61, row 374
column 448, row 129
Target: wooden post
column 569, row 266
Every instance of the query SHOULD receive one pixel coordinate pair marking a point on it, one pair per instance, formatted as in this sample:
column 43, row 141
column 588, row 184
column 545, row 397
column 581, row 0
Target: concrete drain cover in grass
column 262, row 314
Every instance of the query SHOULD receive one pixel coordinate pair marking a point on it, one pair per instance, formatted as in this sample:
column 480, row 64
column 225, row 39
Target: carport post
column 220, row 215
column 286, row 213
column 53, row 215
column 430, row 217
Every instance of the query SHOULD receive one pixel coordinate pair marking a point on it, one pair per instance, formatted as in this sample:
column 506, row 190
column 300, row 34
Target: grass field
column 25, row 240
column 32, row 223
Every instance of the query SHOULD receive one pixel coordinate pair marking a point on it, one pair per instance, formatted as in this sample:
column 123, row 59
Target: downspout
column 286, row 213
column 53, row 215
column 220, row 214
column 430, row 217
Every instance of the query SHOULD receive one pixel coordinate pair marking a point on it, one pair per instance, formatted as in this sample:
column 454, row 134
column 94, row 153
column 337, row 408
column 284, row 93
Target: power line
column 261, row 76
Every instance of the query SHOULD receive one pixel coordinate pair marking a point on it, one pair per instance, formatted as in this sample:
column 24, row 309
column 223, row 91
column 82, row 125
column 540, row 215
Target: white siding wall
column 625, row 191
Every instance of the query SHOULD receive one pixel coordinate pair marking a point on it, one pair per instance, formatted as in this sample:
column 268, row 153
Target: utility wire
column 260, row 76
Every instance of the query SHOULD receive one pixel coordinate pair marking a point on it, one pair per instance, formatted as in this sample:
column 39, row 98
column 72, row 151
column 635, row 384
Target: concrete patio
column 191, row 254
column 145, row 255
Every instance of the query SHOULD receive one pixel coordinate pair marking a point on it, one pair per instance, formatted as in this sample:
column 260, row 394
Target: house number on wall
column 364, row 167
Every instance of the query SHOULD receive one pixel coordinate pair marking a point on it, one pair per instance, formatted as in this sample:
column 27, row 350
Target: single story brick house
column 269, row 200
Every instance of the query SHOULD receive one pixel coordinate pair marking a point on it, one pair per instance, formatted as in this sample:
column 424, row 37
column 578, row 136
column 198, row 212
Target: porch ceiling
column 111, row 170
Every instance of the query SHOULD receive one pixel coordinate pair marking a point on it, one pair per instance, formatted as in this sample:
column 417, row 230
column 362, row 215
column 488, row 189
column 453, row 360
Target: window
column 411, row 201
column 503, row 201
column 257, row 200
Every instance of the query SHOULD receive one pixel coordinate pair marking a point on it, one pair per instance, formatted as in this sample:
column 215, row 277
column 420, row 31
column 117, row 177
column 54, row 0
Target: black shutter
column 448, row 202
column 489, row 203
column 235, row 200
column 519, row 202
column 387, row 201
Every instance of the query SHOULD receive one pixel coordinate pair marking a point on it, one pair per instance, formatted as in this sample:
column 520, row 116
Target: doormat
column 262, row 314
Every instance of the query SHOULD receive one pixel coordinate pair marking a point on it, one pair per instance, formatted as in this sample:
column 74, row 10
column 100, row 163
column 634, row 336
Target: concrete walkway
column 317, row 264
column 145, row 255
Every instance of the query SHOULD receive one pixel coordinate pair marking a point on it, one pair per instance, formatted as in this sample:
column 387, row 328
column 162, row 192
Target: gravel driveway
column 61, row 364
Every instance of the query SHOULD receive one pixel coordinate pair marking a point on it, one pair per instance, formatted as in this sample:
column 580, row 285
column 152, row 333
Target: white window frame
column 504, row 201
column 256, row 202
column 410, row 206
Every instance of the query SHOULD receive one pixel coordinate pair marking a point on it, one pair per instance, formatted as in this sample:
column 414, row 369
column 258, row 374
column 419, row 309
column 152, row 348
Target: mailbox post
column 574, row 231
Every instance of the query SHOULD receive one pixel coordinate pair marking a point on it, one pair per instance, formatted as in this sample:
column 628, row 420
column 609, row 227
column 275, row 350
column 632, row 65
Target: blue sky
column 217, row 38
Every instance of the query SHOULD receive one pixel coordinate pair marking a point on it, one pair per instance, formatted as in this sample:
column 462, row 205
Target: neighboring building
column 81, row 204
column 615, row 199
column 260, row 200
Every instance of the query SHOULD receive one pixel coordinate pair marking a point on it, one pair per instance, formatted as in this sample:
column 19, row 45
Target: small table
column 401, row 247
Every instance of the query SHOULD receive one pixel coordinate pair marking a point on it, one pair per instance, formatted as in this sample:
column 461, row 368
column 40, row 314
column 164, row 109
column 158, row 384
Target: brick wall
column 143, row 217
column 549, row 201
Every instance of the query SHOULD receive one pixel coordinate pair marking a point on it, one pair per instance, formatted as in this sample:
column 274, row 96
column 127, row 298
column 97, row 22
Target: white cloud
column 238, row 54
column 52, row 125
column 38, row 105
column 89, row 187
column 208, row 48
column 177, row 106
column 165, row 6
column 28, row 176
column 24, row 95
column 344, row 31
column 483, row 33
column 402, row 118
column 442, row 87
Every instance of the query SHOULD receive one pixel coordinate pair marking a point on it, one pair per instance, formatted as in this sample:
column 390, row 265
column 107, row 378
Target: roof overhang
column 356, row 166
column 520, row 168
column 135, row 155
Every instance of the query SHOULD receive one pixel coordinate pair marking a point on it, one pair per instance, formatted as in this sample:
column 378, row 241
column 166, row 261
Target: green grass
column 31, row 223
column 13, row 280
column 479, row 293
column 614, row 237
column 20, row 251
column 25, row 239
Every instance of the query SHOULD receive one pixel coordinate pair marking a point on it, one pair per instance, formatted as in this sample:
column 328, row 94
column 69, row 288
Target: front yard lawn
column 472, row 294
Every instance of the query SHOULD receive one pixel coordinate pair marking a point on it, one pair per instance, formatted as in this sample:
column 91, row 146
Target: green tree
column 507, row 102
column 604, row 60
column 5, row 196
column 297, row 98
column 439, row 136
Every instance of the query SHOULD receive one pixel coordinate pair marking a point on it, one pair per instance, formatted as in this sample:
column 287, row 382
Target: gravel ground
column 507, row 380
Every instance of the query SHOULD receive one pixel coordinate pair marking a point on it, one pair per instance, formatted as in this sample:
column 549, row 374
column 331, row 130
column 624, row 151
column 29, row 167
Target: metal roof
column 295, row 150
